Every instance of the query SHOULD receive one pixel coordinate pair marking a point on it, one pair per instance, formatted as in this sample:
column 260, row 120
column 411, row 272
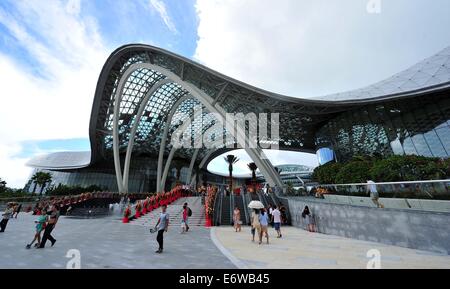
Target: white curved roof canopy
column 61, row 160
column 425, row 75
column 300, row 116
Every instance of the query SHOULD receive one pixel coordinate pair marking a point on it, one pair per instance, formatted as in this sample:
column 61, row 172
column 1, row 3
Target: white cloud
column 161, row 9
column 13, row 169
column 276, row 157
column 73, row 7
column 311, row 48
column 54, row 99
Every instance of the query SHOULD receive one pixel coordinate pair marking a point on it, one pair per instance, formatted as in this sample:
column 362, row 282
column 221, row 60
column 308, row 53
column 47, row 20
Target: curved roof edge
column 429, row 75
column 436, row 67
column 61, row 160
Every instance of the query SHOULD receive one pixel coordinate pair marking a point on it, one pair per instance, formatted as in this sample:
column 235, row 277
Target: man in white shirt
column 372, row 189
column 276, row 219
column 162, row 226
column 6, row 216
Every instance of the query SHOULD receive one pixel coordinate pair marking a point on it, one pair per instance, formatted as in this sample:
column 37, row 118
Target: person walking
column 237, row 219
column 309, row 218
column 256, row 225
column 185, row 218
column 264, row 221
column 40, row 222
column 372, row 190
column 266, row 189
column 6, row 216
column 276, row 219
column 162, row 226
column 17, row 210
column 270, row 214
column 51, row 223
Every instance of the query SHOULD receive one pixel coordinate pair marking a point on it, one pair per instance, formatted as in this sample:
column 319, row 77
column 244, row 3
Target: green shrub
column 390, row 169
column 63, row 190
column 355, row 171
column 326, row 174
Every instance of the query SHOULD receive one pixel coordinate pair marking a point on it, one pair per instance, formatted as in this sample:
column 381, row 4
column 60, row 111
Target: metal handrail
column 386, row 183
column 215, row 208
column 219, row 208
column 231, row 206
column 245, row 208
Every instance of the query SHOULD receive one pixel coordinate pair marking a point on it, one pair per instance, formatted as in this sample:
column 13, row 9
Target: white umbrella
column 255, row 205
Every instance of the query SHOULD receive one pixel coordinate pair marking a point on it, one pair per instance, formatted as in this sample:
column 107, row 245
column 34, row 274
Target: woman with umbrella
column 256, row 225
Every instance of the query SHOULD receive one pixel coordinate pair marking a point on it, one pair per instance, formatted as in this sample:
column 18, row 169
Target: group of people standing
column 162, row 225
column 262, row 218
column 260, row 221
column 47, row 217
column 46, row 222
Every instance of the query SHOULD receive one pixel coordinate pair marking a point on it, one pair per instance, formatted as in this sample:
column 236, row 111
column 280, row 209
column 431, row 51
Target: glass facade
column 411, row 126
column 142, row 176
column 325, row 155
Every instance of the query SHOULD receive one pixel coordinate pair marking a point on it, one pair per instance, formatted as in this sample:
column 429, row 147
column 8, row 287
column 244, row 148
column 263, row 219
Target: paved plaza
column 299, row 249
column 107, row 243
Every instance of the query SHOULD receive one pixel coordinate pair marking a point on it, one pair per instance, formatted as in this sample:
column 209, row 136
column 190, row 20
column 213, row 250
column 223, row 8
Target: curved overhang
column 61, row 161
column 302, row 116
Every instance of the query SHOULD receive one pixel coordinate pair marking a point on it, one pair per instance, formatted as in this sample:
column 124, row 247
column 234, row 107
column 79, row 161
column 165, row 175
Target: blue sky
column 51, row 53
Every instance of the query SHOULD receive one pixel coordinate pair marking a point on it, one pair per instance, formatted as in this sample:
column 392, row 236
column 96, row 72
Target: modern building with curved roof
column 142, row 91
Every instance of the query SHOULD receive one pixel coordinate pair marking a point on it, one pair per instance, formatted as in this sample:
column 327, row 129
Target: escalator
column 264, row 200
column 225, row 218
column 272, row 199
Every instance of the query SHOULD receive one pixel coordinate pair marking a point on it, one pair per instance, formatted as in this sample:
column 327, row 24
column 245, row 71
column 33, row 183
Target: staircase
column 175, row 211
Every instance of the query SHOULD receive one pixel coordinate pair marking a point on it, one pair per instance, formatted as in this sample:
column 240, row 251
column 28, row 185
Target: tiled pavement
column 107, row 243
column 301, row 249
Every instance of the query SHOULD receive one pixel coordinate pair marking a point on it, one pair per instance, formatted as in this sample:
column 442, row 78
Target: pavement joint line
column 238, row 263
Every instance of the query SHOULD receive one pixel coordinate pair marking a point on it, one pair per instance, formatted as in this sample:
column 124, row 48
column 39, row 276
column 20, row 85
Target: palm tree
column 41, row 179
column 231, row 160
column 253, row 168
column 34, row 180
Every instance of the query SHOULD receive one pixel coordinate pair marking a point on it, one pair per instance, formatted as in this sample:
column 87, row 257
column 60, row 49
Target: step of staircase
column 175, row 211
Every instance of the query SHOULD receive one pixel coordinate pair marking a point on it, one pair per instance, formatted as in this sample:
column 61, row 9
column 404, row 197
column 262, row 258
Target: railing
column 217, row 208
column 244, row 201
column 433, row 195
column 231, row 206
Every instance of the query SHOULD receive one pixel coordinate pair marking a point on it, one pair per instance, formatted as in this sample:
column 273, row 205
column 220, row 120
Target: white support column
column 164, row 138
column 166, row 169
column 191, row 165
column 264, row 165
column 137, row 120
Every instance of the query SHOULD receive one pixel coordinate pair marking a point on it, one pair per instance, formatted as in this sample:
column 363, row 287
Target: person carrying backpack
column 187, row 212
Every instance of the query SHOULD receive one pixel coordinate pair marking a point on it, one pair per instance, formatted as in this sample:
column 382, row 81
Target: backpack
column 189, row 212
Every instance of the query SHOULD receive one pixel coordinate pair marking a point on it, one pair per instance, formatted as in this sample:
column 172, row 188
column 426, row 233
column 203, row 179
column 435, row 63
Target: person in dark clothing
column 6, row 216
column 162, row 226
column 17, row 210
column 51, row 223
